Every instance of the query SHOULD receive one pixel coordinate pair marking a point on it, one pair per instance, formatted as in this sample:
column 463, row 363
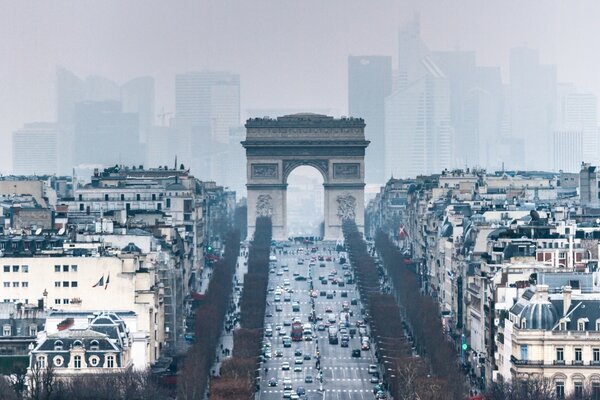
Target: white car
column 285, row 366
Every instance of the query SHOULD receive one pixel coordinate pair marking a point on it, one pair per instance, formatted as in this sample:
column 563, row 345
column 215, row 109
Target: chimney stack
column 566, row 299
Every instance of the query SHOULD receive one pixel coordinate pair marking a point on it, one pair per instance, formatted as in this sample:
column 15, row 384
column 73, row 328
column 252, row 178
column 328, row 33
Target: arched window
column 523, row 323
column 58, row 345
column 94, row 345
column 110, row 361
column 77, row 343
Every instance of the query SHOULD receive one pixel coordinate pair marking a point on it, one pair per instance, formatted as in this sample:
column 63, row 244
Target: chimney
column 542, row 292
column 566, row 299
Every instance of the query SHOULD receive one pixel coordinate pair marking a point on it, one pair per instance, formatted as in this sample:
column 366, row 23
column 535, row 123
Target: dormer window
column 598, row 324
column 94, row 345
column 524, row 323
column 6, row 330
column 58, row 345
column 562, row 326
column 77, row 343
column 581, row 324
column 32, row 330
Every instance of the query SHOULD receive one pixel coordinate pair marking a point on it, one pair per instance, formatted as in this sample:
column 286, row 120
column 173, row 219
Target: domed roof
column 540, row 315
column 535, row 308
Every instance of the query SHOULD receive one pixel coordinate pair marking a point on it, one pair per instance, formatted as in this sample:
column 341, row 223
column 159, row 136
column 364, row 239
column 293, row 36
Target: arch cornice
column 320, row 165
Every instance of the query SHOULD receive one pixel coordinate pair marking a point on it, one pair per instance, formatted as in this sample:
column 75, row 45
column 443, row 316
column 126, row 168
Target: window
column 560, row 389
column 524, row 351
column 6, row 284
column 78, row 343
column 580, row 325
column 6, row 330
column 560, row 355
column 7, row 268
column 596, row 355
column 15, row 268
column 41, row 362
column 562, row 326
column 58, row 345
column 65, row 301
column 110, row 361
column 25, row 268
column 56, row 301
column 56, row 283
column 159, row 206
column 77, row 362
column 122, row 197
column 24, row 284
column 73, row 283
column 57, row 268
column 106, row 197
column 15, row 284
column 32, row 330
column 94, row 361
column 65, row 268
column 65, row 284
column 168, row 205
column 94, row 345
column 595, row 390
column 138, row 197
column 81, row 207
column 153, row 196
column 578, row 390
column 73, row 268
column 80, row 197
column 58, row 361
column 578, row 359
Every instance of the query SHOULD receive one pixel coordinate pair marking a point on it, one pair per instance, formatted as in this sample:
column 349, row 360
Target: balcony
column 515, row 361
column 577, row 362
column 558, row 362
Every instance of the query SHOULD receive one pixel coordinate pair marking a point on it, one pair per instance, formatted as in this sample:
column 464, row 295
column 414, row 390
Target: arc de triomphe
column 335, row 147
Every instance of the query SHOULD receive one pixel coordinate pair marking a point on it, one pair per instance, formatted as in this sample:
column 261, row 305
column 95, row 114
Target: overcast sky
column 289, row 53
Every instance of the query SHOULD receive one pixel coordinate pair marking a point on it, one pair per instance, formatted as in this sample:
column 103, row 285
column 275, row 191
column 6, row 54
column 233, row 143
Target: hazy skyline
column 288, row 53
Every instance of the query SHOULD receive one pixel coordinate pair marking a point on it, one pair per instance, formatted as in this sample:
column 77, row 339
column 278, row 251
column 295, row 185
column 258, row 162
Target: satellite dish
column 38, row 231
column 61, row 231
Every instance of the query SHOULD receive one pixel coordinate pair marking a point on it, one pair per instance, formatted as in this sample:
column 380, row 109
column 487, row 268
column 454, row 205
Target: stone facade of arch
column 335, row 147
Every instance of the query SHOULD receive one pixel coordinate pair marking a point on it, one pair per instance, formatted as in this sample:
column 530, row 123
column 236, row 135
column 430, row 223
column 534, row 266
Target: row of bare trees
column 238, row 373
column 423, row 317
column 209, row 319
column 46, row 384
column 406, row 377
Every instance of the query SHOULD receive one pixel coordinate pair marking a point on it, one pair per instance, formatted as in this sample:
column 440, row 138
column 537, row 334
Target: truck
column 297, row 331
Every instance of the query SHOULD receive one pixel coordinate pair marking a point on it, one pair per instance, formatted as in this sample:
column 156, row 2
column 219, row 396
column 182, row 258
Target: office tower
column 533, row 103
column 418, row 130
column 106, row 135
column 418, row 121
column 369, row 83
column 35, row 149
column 411, row 50
column 207, row 106
column 568, row 146
column 137, row 96
column 576, row 134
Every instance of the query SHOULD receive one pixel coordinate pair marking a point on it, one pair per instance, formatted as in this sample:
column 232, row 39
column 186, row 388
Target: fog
column 289, row 54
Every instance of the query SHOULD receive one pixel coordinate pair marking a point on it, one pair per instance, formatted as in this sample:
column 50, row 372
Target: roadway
column 343, row 376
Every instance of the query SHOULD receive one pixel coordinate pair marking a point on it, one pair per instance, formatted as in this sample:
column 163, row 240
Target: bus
column 297, row 331
column 333, row 335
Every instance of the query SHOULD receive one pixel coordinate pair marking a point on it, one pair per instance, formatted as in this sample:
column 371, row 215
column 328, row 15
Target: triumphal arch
column 335, row 147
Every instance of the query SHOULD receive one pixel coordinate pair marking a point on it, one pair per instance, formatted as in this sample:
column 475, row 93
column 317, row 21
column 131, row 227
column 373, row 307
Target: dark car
column 300, row 391
column 354, row 302
column 272, row 382
column 356, row 353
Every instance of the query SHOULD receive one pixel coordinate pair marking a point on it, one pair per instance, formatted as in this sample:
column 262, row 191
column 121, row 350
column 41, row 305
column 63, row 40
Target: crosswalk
column 326, row 391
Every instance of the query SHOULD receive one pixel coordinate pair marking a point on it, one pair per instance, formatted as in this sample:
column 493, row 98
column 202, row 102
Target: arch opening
column 305, row 202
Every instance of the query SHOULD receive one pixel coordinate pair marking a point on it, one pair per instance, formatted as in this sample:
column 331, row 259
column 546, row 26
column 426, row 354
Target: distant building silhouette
column 369, row 83
column 35, row 149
